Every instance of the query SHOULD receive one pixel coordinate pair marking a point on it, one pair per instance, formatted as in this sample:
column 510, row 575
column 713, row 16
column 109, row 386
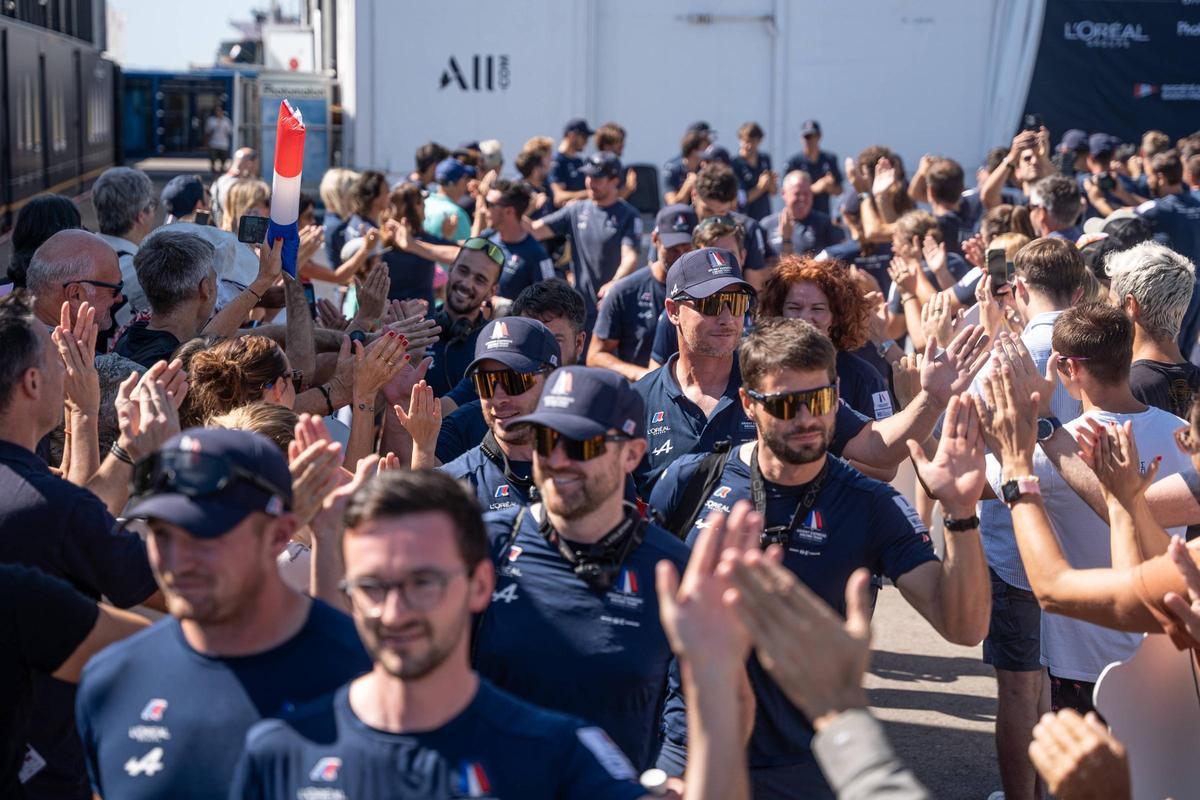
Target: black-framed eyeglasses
column 546, row 439
column 423, row 590
column 294, row 375
column 492, row 250
column 117, row 287
column 738, row 302
column 194, row 475
column 514, row 383
column 786, row 405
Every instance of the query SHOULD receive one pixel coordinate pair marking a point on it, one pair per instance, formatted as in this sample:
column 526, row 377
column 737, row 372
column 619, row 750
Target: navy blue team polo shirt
column 757, row 246
column 551, row 640
column 462, row 430
column 159, row 719
column 674, row 173
column 809, row 235
column 494, row 488
column 451, row 359
column 826, row 164
column 855, row 522
column 597, row 235
column 525, row 263
column 862, row 387
column 629, row 314
column 565, row 170
column 748, row 179
column 876, row 262
column 498, row 746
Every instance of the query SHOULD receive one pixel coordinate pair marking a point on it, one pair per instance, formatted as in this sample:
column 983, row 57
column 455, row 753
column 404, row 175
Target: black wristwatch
column 960, row 525
column 1046, row 427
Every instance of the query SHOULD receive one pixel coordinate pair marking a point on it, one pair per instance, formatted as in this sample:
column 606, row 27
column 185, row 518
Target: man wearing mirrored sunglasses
column 830, row 520
column 471, row 281
column 574, row 623
column 164, row 714
column 513, row 357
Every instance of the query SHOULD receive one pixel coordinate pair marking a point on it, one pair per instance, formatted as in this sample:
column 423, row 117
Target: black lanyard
column 599, row 564
column 491, row 449
column 779, row 534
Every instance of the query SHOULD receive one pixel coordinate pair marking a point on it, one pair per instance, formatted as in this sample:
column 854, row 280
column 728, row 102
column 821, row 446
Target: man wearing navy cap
column 716, row 195
column 799, row 228
column 163, row 714
column 573, row 624
column 1105, row 188
column 444, row 217
column 679, row 172
column 821, row 167
column 183, row 196
column 513, row 355
column 606, row 231
column 566, row 175
column 628, row 315
column 1073, row 152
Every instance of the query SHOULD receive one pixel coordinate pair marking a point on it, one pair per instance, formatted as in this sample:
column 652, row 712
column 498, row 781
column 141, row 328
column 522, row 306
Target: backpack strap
column 698, row 488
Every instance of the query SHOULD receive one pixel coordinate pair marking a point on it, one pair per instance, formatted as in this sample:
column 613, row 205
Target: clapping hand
column 1011, row 352
column 885, row 177
column 1008, row 427
column 956, row 474
column 372, row 294
column 1078, row 758
column 330, row 316
column 951, row 372
column 377, row 364
column 147, row 413
column 423, row 417
column 935, row 253
column 1187, row 609
column 1111, row 452
column 937, row 318
column 76, row 343
column 315, row 464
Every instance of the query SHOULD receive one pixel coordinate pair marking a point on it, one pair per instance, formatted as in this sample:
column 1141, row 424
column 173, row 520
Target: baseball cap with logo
column 602, row 165
column 519, row 343
column 675, row 224
column 577, row 125
column 451, row 170
column 703, row 272
column 582, row 402
column 810, row 127
column 207, row 480
column 181, row 194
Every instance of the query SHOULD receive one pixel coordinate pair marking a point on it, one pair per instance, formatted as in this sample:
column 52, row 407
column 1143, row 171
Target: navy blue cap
column 703, row 272
column 810, row 127
column 470, row 145
column 675, row 224
column 582, row 402
column 1073, row 141
column 577, row 125
column 451, row 170
column 519, row 343
column 602, row 165
column 715, row 152
column 1101, row 143
column 703, row 127
column 181, row 194
column 213, row 515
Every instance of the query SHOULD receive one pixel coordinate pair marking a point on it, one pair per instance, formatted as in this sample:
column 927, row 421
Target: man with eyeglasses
column 165, row 713
column 829, row 520
column 526, row 261
column 75, row 266
column 573, row 624
column 513, row 355
column 471, row 282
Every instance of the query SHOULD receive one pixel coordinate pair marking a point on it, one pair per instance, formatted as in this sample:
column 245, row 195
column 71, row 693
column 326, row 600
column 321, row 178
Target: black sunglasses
column 738, row 302
column 786, row 405
column 491, row 248
column 116, row 287
column 513, row 382
column 194, row 475
column 546, row 439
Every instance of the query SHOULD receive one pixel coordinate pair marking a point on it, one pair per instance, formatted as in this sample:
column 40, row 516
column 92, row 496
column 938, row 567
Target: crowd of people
column 500, row 496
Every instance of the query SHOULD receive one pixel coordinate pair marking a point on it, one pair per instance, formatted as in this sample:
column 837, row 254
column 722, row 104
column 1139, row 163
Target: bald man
column 799, row 228
column 74, row 266
column 244, row 165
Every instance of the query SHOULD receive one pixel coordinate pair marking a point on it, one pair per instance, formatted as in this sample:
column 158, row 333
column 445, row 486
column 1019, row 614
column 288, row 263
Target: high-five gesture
column 951, row 372
column 956, row 474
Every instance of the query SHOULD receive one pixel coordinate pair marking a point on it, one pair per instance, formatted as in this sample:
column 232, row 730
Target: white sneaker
column 996, row 796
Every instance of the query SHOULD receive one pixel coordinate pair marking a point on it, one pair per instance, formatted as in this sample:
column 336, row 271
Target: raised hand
column 956, row 474
column 316, row 471
column 904, row 274
column 1187, row 609
column 906, row 378
column 1010, row 351
column 1078, row 758
column 1005, row 419
column 1111, row 452
column 935, row 253
column 973, row 251
column 399, row 388
column 376, row 364
column 270, row 266
column 423, row 417
column 951, row 373
column 146, row 413
column 76, row 344
column 312, row 239
column 330, row 316
column 372, row 294
column 937, row 318
column 885, row 177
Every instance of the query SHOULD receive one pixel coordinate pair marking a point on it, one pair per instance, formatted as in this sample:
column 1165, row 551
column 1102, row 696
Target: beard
column 702, row 345
column 776, row 441
column 417, row 657
column 573, row 494
column 461, row 304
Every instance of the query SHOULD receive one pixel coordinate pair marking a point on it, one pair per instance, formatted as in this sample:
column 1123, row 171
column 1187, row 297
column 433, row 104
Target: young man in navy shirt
column 566, row 176
column 799, row 228
column 830, row 520
column 471, row 282
column 628, row 315
column 940, row 183
column 821, row 167
column 716, row 196
column 753, row 170
column 679, row 172
column 163, row 713
column 525, row 260
column 573, row 623
column 513, row 357
column 606, row 232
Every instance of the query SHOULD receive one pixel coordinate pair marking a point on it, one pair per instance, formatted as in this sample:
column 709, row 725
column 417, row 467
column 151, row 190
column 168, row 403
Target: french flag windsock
column 285, row 186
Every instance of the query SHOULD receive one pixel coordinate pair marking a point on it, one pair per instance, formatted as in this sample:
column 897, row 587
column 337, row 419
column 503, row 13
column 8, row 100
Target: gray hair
column 1060, row 197
column 491, row 154
column 1161, row 281
column 46, row 275
column 120, row 194
column 170, row 265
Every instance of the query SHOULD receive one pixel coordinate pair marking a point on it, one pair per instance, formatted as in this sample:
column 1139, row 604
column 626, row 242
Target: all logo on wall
column 479, row 73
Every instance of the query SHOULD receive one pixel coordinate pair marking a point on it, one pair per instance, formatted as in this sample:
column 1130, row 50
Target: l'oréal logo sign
column 1108, row 35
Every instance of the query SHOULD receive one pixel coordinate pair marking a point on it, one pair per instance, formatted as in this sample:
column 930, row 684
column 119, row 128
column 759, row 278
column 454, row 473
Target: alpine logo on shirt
column 154, row 710
column 501, row 491
column 326, row 769
column 472, row 781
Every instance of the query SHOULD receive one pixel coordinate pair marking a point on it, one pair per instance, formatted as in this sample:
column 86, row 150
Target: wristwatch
column 883, row 347
column 1046, row 426
column 960, row 525
column 1013, row 490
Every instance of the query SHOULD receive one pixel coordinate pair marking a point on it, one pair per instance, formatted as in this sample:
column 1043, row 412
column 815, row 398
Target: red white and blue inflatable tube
column 285, row 185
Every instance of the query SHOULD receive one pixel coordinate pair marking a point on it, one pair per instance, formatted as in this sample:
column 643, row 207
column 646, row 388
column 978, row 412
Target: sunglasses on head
column 719, row 219
column 786, row 405
column 193, row 475
column 546, row 439
column 513, row 382
column 492, row 250
column 738, row 302
column 1061, row 366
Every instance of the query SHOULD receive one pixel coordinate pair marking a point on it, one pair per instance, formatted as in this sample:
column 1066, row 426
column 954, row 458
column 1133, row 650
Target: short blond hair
column 335, row 191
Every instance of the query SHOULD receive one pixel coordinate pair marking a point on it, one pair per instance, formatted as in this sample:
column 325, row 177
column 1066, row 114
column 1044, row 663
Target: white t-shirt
column 219, row 131
column 1071, row 648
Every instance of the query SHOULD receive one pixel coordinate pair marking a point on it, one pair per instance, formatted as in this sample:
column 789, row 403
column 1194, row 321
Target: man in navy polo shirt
column 679, row 172
column 799, row 228
column 472, row 280
column 830, row 520
column 821, row 167
column 1055, row 205
column 573, row 624
column 163, row 713
column 525, row 260
column 566, row 177
column 940, row 183
column 716, row 196
column 628, row 315
column 606, row 232
column 512, row 357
